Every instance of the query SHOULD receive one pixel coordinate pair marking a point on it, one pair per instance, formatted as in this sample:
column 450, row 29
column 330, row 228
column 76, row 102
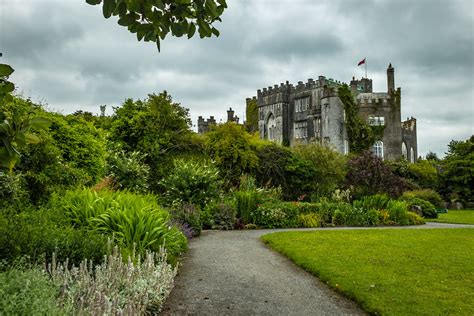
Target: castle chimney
column 354, row 83
column 230, row 115
column 390, row 78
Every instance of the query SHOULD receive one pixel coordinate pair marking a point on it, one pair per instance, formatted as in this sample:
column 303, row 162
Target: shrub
column 13, row 190
column 187, row 215
column 377, row 201
column 136, row 222
column 398, row 211
column 115, row 287
column 275, row 215
column 414, row 219
column 191, row 182
column 230, row 146
column 424, row 173
column 329, row 167
column 426, row 194
column 246, row 202
column 427, row 209
column 28, row 292
column 356, row 216
column 37, row 234
column 128, row 171
column 370, row 175
column 221, row 215
column 309, row 220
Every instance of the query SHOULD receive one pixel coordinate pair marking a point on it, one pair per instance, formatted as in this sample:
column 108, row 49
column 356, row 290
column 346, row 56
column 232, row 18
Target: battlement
column 204, row 125
column 372, row 98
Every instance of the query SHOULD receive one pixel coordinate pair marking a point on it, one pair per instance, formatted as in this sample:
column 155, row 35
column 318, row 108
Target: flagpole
column 365, row 64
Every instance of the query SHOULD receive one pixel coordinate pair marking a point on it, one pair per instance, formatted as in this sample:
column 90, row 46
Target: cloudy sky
column 66, row 55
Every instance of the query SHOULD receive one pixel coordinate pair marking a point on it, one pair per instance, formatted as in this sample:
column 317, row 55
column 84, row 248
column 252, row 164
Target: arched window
column 412, row 155
column 404, row 151
column 271, row 127
column 377, row 149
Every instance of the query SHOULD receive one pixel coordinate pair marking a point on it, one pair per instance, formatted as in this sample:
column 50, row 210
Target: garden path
column 234, row 273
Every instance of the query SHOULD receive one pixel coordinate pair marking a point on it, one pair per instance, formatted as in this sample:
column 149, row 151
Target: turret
column 230, row 115
column 390, row 78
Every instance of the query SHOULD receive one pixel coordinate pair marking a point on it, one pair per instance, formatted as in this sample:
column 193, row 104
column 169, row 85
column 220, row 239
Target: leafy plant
column 425, row 194
column 128, row 171
column 191, row 182
column 154, row 22
column 221, row 215
column 309, row 220
column 427, row 210
column 115, row 286
column 28, row 291
column 188, row 215
column 36, row 234
column 136, row 222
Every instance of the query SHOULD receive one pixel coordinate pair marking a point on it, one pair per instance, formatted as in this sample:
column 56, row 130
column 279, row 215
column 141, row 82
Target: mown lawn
column 456, row 217
column 390, row 271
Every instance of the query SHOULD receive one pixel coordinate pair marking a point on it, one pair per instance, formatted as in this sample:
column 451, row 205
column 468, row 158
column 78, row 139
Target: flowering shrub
column 115, row 287
column 128, row 171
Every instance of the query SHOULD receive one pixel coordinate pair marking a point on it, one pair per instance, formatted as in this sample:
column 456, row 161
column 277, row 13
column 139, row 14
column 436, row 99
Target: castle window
column 317, row 128
column 271, row 128
column 301, row 104
column 376, row 120
column 404, row 151
column 301, row 130
column 346, row 147
column 377, row 149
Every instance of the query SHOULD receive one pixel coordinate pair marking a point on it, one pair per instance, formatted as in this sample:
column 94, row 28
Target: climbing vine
column 361, row 135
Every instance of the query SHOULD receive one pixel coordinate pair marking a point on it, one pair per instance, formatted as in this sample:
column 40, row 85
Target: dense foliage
column 153, row 20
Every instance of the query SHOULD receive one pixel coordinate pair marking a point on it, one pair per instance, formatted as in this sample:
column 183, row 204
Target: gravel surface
column 234, row 273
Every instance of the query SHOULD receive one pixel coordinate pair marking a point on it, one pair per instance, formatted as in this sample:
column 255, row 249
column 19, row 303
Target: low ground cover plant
column 389, row 272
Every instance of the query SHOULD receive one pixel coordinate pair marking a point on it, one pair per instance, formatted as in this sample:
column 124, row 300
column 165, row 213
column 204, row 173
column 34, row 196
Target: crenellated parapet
column 205, row 124
column 373, row 99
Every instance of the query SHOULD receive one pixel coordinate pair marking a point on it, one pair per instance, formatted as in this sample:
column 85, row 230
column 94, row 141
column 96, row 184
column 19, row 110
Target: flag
column 361, row 62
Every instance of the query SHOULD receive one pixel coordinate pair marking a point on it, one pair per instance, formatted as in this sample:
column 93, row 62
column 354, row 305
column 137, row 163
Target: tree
column 156, row 127
column 152, row 20
column 369, row 175
column 230, row 146
column 16, row 130
column 458, row 170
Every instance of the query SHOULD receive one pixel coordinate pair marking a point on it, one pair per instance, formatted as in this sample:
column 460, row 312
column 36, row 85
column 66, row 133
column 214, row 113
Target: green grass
column 390, row 271
column 455, row 217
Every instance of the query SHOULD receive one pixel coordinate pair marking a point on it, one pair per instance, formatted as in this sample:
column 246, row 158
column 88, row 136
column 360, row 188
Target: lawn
column 454, row 216
column 390, row 271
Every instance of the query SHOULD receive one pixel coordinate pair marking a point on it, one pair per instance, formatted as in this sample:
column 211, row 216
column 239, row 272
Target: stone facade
column 312, row 112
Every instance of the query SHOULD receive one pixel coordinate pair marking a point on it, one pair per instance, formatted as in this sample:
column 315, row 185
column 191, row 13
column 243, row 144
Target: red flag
column 361, row 62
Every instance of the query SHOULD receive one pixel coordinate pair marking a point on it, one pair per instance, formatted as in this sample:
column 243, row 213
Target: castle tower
column 230, row 115
column 390, row 78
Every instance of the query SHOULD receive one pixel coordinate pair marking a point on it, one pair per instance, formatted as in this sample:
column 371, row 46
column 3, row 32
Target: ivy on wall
column 361, row 135
column 251, row 114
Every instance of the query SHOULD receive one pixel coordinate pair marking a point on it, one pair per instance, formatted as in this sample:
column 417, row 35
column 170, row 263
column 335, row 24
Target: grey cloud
column 67, row 54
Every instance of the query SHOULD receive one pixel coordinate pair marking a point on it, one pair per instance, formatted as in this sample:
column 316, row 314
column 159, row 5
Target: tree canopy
column 152, row 20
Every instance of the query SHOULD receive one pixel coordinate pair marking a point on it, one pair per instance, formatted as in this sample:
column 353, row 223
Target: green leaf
column 191, row 30
column 215, row 31
column 108, row 8
column 31, row 138
column 93, row 2
column 40, row 123
column 5, row 70
column 7, row 87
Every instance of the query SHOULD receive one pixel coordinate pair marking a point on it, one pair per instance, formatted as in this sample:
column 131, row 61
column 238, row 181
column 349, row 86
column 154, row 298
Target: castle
column 313, row 111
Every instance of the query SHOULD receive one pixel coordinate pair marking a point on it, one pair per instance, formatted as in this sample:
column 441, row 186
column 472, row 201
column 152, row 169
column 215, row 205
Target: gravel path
column 234, row 273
